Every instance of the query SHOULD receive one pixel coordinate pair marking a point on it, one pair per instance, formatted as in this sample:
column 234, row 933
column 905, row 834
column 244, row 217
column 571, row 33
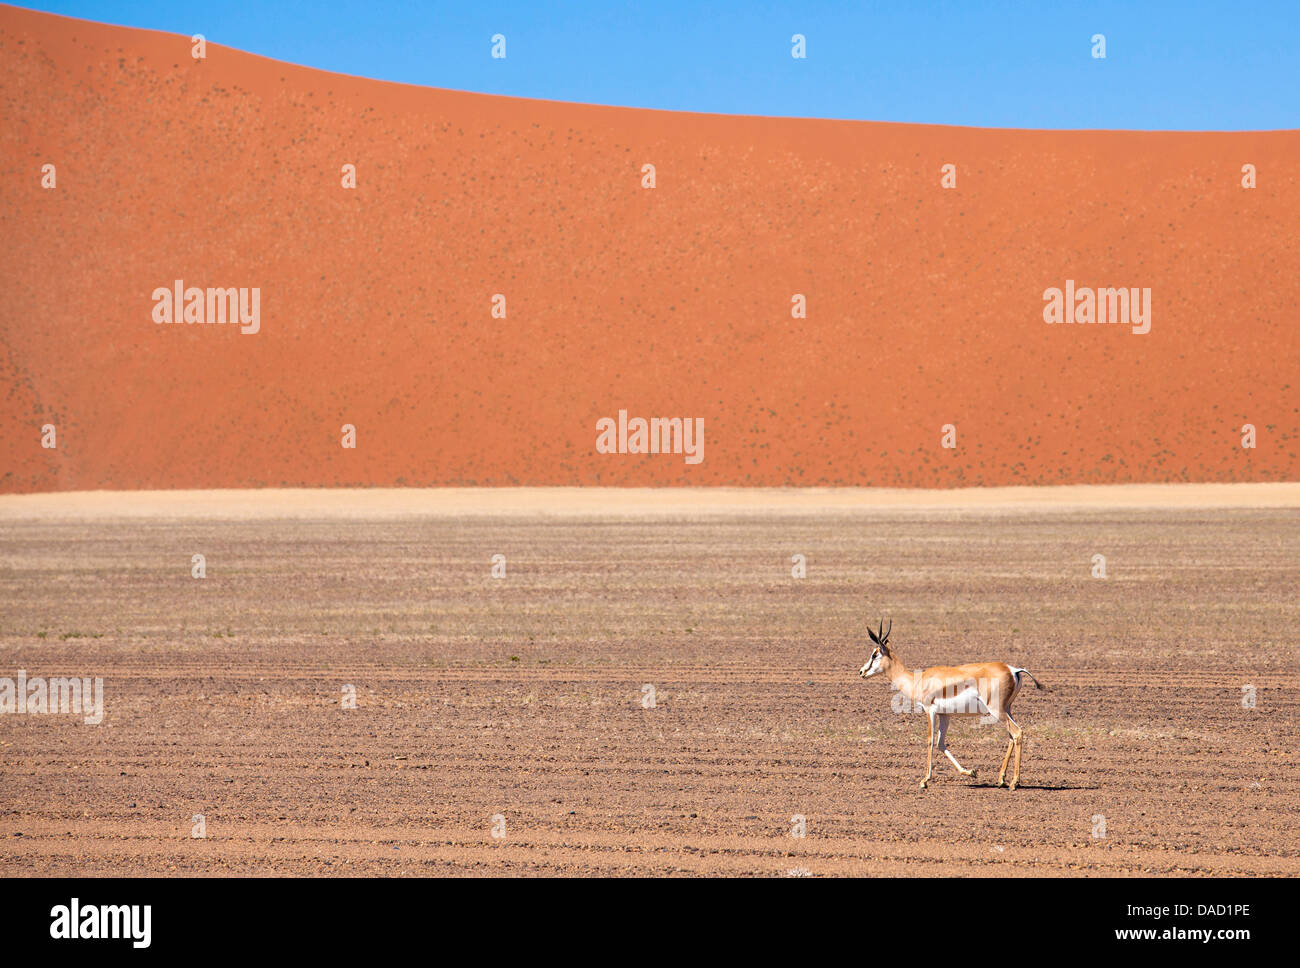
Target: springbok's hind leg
column 1003, row 716
column 1002, row 774
column 1018, row 741
column 929, row 753
column 1020, row 745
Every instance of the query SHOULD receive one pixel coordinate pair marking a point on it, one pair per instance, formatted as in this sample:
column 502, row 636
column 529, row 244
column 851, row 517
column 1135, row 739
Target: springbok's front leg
column 942, row 744
column 929, row 751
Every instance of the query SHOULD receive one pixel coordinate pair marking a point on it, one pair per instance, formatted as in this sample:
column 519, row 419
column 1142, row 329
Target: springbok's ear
column 873, row 636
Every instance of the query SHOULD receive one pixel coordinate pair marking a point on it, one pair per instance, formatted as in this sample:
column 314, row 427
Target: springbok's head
column 880, row 655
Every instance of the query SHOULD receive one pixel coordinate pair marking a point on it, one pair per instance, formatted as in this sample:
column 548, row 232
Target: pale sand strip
column 389, row 503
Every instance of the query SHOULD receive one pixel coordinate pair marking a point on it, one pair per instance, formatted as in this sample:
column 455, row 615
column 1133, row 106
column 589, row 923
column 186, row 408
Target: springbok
column 978, row 689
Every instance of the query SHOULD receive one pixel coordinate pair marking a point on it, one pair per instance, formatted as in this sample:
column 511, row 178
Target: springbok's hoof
column 924, row 784
column 972, row 773
column 1013, row 786
column 1001, row 782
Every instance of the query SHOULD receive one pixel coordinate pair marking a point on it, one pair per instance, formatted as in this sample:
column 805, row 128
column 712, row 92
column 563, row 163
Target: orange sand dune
column 924, row 304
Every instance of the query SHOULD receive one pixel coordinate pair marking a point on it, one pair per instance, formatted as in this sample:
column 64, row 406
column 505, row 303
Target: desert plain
column 518, row 704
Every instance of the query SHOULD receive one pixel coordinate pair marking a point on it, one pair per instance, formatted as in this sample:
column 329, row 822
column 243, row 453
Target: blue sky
column 1192, row 65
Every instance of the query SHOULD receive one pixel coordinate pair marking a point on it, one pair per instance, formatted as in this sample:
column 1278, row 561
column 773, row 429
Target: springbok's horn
column 888, row 630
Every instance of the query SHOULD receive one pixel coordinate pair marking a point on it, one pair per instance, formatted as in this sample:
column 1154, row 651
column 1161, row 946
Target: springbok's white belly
column 965, row 703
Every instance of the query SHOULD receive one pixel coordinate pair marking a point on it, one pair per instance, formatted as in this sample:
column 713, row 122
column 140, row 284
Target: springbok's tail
column 1037, row 684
